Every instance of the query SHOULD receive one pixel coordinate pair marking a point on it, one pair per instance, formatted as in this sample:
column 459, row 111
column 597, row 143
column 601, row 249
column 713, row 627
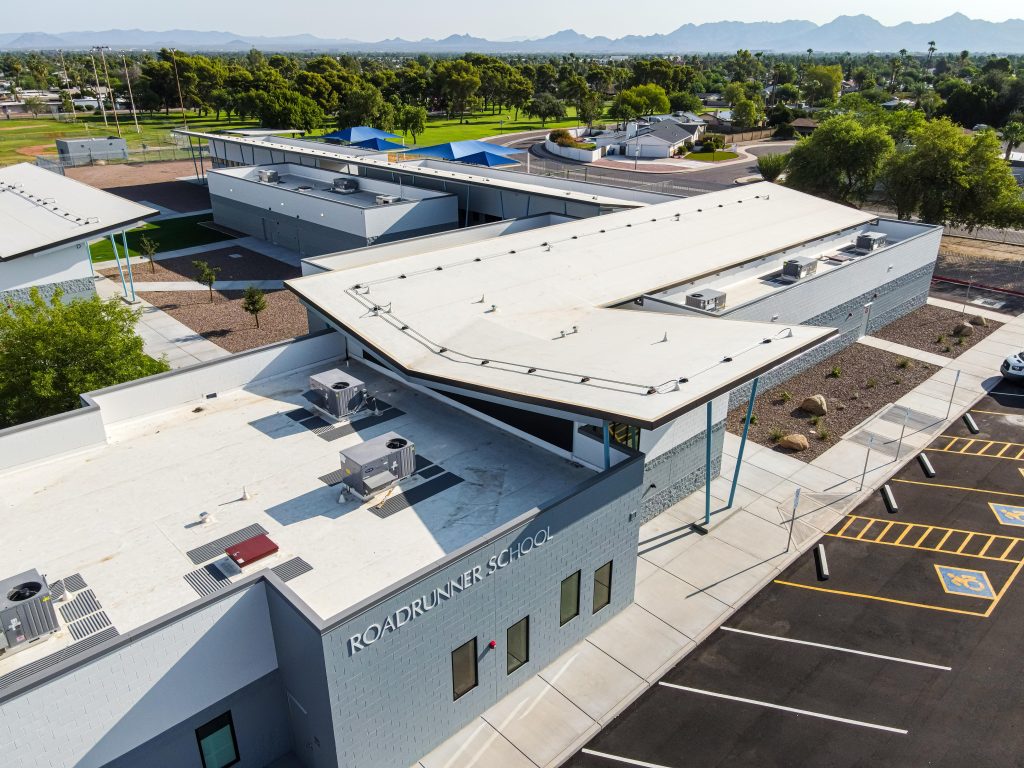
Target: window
column 569, row 605
column 517, row 639
column 218, row 747
column 602, row 586
column 624, row 434
column 464, row 669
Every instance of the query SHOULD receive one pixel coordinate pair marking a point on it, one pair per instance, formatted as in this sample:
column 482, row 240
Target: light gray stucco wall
column 407, row 673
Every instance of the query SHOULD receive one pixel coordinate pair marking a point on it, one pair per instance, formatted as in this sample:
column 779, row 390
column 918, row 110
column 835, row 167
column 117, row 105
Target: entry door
column 865, row 319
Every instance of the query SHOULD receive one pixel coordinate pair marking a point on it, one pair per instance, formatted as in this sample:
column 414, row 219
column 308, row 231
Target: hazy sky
column 413, row 19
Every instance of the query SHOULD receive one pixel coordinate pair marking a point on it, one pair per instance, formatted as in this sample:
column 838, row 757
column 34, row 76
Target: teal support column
column 743, row 443
column 128, row 263
column 607, row 446
column 702, row 528
column 113, row 244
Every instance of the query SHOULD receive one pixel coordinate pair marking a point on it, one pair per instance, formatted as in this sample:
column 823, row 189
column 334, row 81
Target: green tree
column 733, row 93
column 821, row 83
column 684, row 101
column 51, row 352
column 772, row 166
column 544, row 106
column 459, row 81
column 841, row 160
column 639, row 100
column 361, row 105
column 254, row 301
column 149, row 248
column 1013, row 135
column 206, row 275
column 590, row 107
column 413, row 120
column 747, row 113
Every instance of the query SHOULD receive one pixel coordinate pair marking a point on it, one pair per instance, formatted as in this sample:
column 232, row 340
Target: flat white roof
column 428, row 168
column 40, row 209
column 528, row 317
column 125, row 515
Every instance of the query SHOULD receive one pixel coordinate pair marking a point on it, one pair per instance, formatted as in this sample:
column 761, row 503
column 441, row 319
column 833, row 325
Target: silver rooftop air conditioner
column 707, row 299
column 345, row 185
column 387, row 199
column 338, row 393
column 26, row 611
column 798, row 268
column 377, row 464
column 871, row 241
column 269, row 177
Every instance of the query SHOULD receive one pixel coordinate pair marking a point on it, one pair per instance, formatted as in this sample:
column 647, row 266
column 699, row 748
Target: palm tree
column 1013, row 135
column 931, row 50
column 964, row 56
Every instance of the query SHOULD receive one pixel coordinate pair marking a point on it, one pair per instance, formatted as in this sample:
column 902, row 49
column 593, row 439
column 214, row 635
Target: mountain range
column 855, row 34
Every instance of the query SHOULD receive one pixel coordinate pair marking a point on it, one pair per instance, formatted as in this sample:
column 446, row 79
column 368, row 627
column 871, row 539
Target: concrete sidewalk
column 163, row 335
column 688, row 585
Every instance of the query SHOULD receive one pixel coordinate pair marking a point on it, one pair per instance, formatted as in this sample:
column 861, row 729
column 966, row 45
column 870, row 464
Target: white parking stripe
column 625, row 760
column 794, row 710
column 839, row 648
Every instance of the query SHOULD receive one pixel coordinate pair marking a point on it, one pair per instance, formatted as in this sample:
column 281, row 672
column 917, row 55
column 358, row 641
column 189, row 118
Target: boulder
column 978, row 320
column 815, row 405
column 794, row 442
column 963, row 329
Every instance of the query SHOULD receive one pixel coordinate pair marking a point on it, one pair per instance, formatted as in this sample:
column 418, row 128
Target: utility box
column 871, row 241
column 798, row 268
column 707, row 299
column 345, row 185
column 337, row 393
column 26, row 611
column 377, row 464
column 269, row 176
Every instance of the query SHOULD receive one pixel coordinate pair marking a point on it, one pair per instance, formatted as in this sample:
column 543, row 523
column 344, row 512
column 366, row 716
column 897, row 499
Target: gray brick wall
column 677, row 473
column 392, row 701
column 79, row 288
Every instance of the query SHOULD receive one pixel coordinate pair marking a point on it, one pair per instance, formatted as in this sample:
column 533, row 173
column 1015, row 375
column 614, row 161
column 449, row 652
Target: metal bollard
column 926, row 465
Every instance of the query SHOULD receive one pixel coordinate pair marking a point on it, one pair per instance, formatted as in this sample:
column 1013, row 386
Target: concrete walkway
column 688, row 585
column 904, row 351
column 163, row 335
column 972, row 309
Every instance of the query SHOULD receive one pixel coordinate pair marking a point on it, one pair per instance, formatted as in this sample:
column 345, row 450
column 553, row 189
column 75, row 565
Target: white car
column 1013, row 367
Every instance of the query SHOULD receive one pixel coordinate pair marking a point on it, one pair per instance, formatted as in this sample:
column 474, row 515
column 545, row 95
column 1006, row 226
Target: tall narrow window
column 464, row 677
column 602, row 586
column 517, row 640
column 218, row 747
column 569, row 605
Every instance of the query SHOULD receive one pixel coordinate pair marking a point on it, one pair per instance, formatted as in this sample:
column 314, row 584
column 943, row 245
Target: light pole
column 131, row 99
column 99, row 98
column 67, row 82
column 113, row 96
column 181, row 101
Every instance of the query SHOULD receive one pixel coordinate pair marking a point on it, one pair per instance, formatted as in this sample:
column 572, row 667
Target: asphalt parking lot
column 910, row 654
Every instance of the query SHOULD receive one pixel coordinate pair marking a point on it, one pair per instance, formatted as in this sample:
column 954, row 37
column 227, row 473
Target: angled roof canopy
column 359, row 133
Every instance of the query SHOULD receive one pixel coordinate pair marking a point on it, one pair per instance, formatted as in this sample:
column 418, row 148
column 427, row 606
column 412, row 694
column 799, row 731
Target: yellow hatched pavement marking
column 963, row 546
column 988, row 445
column 987, row 545
column 871, row 522
column 919, row 544
column 949, row 532
column 969, row 444
column 885, row 530
column 1006, row 552
column 1002, row 451
column 905, row 532
column 923, row 537
column 847, row 524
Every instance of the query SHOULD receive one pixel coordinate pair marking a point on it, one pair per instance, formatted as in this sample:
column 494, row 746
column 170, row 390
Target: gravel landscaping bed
column 252, row 266
column 931, row 329
column 226, row 324
column 867, row 380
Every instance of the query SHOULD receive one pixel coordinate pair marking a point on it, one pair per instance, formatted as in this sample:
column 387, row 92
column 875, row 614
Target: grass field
column 169, row 235
column 712, row 157
column 35, row 136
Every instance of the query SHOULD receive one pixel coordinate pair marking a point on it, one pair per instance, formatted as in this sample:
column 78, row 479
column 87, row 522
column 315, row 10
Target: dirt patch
column 867, row 380
column 36, row 149
column 252, row 266
column 997, row 265
column 226, row 324
column 931, row 329
column 148, row 182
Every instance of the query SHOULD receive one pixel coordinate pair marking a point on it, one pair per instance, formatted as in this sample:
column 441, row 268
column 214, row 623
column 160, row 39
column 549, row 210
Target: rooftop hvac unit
column 26, row 611
column 345, row 185
column 377, row 464
column 269, row 177
column 798, row 268
column 388, row 199
column 707, row 299
column 871, row 241
column 337, row 393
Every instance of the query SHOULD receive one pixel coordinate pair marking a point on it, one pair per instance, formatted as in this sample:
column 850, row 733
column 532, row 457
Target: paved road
column 909, row 655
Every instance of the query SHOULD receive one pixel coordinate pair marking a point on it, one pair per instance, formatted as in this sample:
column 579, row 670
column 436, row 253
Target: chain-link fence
column 135, row 155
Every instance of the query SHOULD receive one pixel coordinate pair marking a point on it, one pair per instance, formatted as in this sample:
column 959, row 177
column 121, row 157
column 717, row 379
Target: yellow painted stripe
column 1006, row 586
column 951, row 443
column 1019, row 453
column 1002, row 450
column 1006, row 552
column 957, row 487
column 994, row 413
column 906, row 530
column 987, row 545
column 885, row 530
column 885, row 599
column 847, row 524
column 969, row 444
column 949, row 533
column 871, row 521
column 964, row 545
column 923, row 537
column 988, row 445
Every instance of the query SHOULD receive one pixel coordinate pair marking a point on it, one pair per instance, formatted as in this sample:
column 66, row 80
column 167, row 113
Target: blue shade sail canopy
column 359, row 133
